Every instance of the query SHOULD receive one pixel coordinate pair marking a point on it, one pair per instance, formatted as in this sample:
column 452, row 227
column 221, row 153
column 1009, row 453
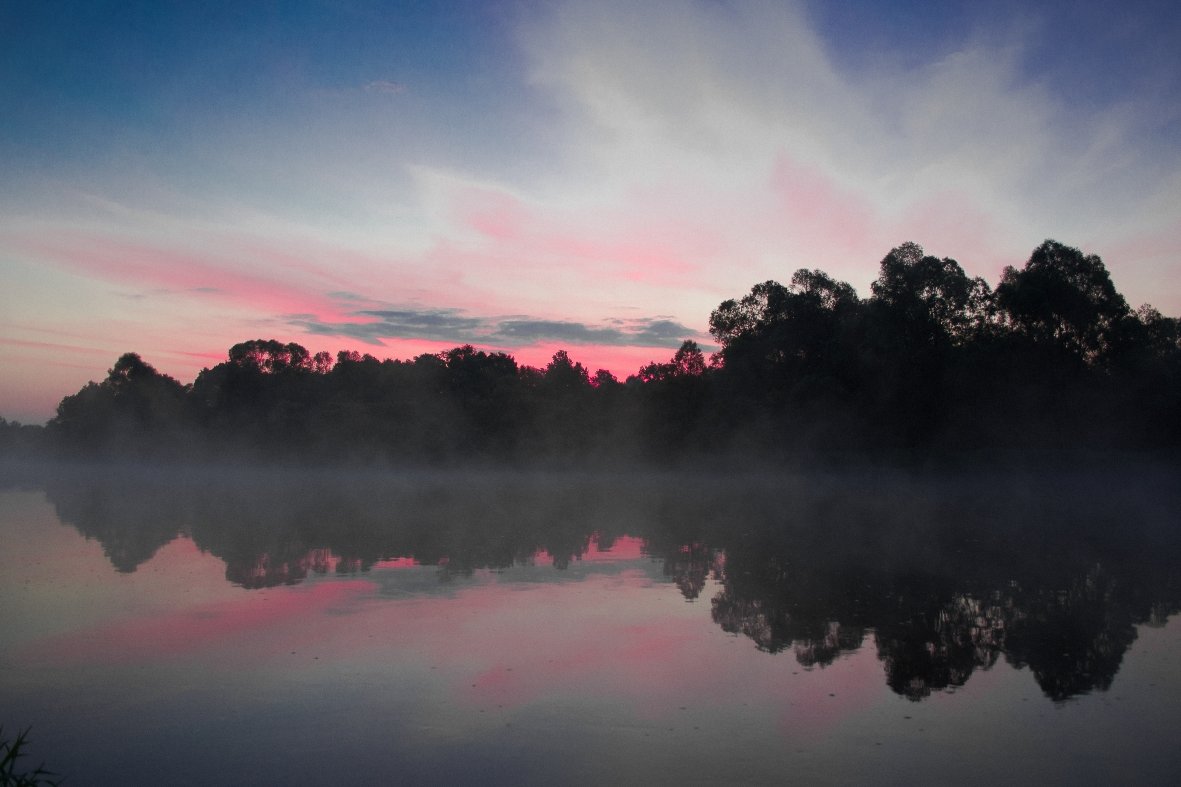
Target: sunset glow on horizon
column 399, row 179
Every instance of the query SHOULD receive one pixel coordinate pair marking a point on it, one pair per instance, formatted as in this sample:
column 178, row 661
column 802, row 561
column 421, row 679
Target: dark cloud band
column 451, row 325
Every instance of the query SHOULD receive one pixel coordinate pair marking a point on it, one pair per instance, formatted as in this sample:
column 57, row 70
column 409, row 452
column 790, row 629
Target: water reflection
column 941, row 575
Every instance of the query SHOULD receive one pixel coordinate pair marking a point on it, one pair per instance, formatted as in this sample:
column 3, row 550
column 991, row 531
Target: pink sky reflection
column 608, row 635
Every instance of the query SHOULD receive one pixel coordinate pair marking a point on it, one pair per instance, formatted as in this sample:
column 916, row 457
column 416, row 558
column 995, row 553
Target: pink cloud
column 316, row 261
column 56, row 348
column 39, row 373
column 819, row 214
column 833, row 227
column 492, row 213
column 202, row 357
column 650, row 262
column 520, row 259
column 636, row 245
column 954, row 224
column 140, row 264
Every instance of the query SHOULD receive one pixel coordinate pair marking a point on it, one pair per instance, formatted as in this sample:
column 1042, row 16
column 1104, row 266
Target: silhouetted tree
column 269, row 356
column 562, row 375
column 486, row 390
column 687, row 361
column 930, row 301
column 676, row 404
column 562, row 396
column 923, row 313
column 790, row 360
column 260, row 399
column 1065, row 298
column 135, row 410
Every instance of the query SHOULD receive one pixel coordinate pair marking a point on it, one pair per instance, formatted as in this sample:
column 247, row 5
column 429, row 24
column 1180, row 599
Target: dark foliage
column 932, row 364
column 10, row 775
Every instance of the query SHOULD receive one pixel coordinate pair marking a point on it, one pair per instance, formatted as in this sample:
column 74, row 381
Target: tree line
column 932, row 362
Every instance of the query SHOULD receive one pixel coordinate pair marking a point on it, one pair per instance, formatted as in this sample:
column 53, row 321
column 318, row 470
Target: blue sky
column 403, row 177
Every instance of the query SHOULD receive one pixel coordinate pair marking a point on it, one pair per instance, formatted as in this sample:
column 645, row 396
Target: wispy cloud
column 386, row 87
column 740, row 117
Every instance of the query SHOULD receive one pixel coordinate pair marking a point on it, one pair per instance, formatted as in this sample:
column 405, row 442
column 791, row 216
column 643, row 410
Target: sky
column 401, row 178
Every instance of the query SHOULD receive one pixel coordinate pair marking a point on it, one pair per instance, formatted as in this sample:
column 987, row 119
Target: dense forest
column 933, row 363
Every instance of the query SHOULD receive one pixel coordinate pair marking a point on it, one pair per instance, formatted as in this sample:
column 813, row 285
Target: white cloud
column 967, row 154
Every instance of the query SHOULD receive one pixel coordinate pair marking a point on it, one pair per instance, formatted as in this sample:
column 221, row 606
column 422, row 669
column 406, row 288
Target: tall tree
column 136, row 409
column 1065, row 298
column 928, row 299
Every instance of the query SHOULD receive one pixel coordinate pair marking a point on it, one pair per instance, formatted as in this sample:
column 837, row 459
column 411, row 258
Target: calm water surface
column 510, row 629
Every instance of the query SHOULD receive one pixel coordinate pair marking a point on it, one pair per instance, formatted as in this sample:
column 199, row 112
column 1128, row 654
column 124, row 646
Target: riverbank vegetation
column 10, row 773
column 932, row 363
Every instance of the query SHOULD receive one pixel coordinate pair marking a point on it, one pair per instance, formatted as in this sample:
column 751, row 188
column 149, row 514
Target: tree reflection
column 780, row 608
column 131, row 520
column 689, row 566
column 943, row 576
column 1074, row 639
column 940, row 647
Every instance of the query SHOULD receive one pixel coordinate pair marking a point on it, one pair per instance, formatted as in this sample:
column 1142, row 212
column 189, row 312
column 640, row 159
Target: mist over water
column 634, row 612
